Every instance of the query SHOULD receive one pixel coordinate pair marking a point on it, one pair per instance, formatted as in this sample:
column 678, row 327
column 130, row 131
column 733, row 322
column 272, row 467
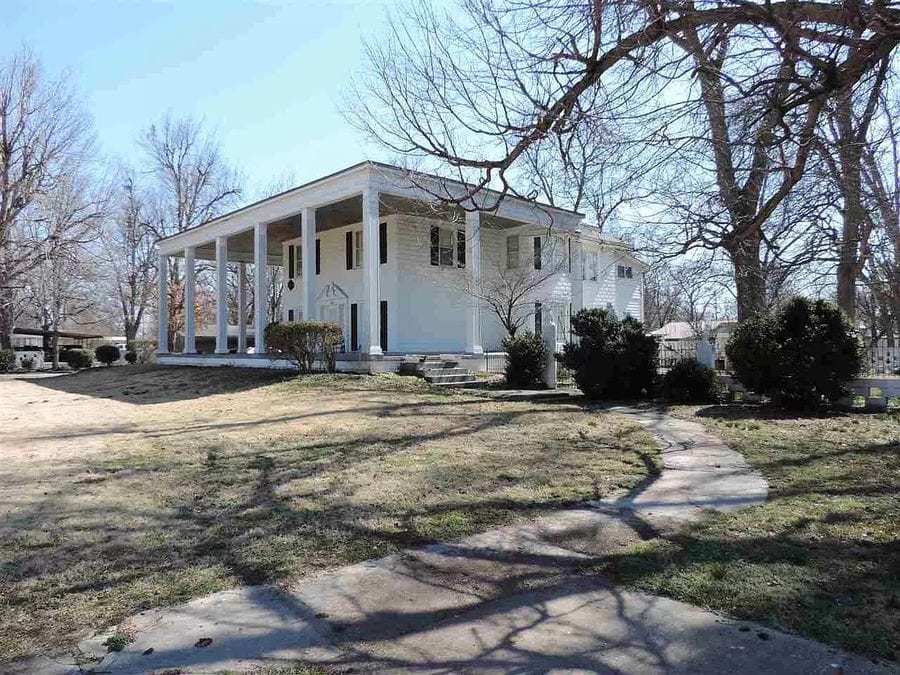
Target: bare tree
column 129, row 246
column 44, row 138
column 62, row 286
column 842, row 146
column 472, row 92
column 189, row 183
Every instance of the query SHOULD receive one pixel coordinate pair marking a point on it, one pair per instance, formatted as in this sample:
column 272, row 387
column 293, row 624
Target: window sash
column 512, row 251
column 358, row 249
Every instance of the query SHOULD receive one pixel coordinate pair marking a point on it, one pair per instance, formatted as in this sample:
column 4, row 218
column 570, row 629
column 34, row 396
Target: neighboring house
column 367, row 248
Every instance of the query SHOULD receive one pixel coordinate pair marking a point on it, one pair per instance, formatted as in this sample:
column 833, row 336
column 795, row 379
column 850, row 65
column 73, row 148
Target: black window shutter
column 290, row 261
column 460, row 248
column 435, row 245
column 383, row 325
column 354, row 327
column 537, row 253
column 290, row 315
column 382, row 243
column 349, row 240
column 318, row 257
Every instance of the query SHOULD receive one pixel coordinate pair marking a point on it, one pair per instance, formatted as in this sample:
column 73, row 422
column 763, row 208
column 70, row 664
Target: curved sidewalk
column 520, row 599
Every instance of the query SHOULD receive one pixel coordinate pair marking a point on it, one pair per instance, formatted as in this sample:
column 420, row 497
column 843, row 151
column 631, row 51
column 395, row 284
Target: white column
column 190, row 290
column 577, row 275
column 371, row 271
column 261, row 290
column 473, row 262
column 162, row 344
column 308, row 241
column 242, row 307
column 221, row 295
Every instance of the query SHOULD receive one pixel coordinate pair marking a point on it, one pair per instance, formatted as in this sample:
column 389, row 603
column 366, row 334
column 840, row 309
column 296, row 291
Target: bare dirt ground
column 129, row 488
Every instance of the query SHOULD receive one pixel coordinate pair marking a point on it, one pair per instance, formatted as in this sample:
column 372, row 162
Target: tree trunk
column 748, row 276
column 131, row 331
column 54, row 350
column 6, row 319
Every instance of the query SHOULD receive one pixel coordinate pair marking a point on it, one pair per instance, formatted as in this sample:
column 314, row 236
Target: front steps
column 438, row 371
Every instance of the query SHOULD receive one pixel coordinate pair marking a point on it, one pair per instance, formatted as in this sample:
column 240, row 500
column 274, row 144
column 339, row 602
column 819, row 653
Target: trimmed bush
column 525, row 360
column 131, row 357
column 7, row 360
column 144, row 350
column 803, row 354
column 77, row 358
column 612, row 358
column 689, row 381
column 107, row 354
column 305, row 342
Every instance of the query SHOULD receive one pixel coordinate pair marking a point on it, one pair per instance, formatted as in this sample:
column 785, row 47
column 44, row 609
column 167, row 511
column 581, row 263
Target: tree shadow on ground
column 139, row 530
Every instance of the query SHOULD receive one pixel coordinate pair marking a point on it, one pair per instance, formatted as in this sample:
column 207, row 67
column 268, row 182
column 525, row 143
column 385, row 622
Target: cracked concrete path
column 514, row 599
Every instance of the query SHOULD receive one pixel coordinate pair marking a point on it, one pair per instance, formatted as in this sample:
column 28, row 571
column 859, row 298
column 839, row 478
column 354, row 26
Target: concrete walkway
column 510, row 600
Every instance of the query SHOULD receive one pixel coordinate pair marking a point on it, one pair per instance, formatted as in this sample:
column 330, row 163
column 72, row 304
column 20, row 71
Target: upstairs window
column 625, row 272
column 538, row 254
column 590, row 266
column 448, row 247
column 512, row 252
column 358, row 249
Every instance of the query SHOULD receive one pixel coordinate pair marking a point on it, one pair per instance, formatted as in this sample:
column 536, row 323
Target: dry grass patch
column 261, row 479
column 822, row 557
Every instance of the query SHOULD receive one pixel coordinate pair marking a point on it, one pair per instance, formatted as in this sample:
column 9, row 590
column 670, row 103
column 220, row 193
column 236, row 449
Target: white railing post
column 371, row 270
column 190, row 290
column 261, row 290
column 308, row 243
column 162, row 344
column 473, row 262
column 242, row 308
column 550, row 362
column 221, row 295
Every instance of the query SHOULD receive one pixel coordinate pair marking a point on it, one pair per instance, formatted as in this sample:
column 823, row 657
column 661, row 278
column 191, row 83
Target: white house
column 368, row 248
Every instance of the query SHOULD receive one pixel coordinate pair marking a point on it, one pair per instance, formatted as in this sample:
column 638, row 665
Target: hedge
column 305, row 343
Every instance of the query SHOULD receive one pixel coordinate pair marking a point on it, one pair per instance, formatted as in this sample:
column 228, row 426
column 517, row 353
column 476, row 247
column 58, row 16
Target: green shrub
column 612, row 358
column 131, row 357
column 143, row 349
column 689, row 381
column 7, row 360
column 803, row 354
column 77, row 358
column 525, row 359
column 108, row 354
column 305, row 342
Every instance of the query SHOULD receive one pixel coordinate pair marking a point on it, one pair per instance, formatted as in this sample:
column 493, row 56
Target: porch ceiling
column 340, row 214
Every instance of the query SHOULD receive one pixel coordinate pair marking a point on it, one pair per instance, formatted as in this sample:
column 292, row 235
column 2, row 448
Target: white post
column 261, row 292
column 308, row 242
column 190, row 290
column 550, row 347
column 162, row 345
column 371, row 272
column 473, row 261
column 221, row 295
column 242, row 307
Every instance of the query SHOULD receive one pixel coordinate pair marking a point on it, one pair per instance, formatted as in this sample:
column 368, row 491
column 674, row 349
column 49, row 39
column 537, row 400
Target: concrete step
column 431, row 372
column 450, row 377
column 469, row 384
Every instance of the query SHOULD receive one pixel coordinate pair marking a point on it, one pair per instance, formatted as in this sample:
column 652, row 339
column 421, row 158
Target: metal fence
column 671, row 352
column 881, row 358
column 495, row 362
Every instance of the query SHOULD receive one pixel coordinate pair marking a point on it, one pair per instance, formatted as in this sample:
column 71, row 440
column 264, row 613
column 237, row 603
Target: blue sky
column 267, row 76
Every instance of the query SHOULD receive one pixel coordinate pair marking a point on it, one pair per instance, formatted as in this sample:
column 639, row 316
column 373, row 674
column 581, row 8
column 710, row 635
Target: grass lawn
column 129, row 488
column 822, row 557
